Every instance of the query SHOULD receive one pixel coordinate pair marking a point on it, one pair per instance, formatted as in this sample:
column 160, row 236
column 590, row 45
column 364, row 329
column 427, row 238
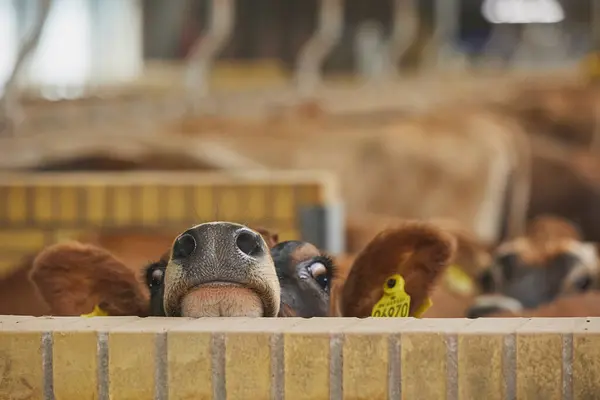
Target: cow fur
column 73, row 276
column 472, row 256
column 579, row 305
column 547, row 237
column 417, row 250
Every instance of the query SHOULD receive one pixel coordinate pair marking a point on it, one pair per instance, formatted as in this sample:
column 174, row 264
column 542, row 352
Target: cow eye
column 319, row 273
column 157, row 277
column 583, row 283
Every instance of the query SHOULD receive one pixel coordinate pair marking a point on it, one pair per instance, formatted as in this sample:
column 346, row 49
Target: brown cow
column 226, row 269
column 420, row 166
column 566, row 183
column 548, row 263
column 564, row 111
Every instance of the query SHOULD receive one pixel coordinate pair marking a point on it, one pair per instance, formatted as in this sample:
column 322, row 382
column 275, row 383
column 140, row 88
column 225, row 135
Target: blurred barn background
column 123, row 122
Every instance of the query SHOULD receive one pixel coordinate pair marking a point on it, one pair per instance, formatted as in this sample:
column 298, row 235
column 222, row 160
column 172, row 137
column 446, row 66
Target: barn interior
column 404, row 103
column 124, row 123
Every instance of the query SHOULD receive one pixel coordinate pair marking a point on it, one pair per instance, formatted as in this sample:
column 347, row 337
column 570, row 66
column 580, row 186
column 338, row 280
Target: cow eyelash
column 327, row 261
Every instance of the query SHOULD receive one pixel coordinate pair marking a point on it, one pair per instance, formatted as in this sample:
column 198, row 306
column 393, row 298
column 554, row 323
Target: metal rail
column 206, row 48
column 404, row 32
column 328, row 33
column 10, row 109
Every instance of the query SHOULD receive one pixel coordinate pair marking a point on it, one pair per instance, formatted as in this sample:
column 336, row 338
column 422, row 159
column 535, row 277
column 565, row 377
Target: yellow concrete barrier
column 296, row 358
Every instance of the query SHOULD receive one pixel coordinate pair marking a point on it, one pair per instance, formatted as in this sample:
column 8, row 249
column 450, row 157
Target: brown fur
column 73, row 277
column 286, row 311
column 343, row 265
column 565, row 183
column 579, row 305
column 418, row 251
column 563, row 112
column 546, row 237
column 133, row 248
column 550, row 227
column 271, row 237
column 441, row 153
column 471, row 257
column 18, row 295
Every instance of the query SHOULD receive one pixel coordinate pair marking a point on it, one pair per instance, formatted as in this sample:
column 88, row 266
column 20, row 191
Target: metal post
column 595, row 60
column 328, row 33
column 403, row 34
column 595, row 26
column 206, row 49
column 324, row 226
column 445, row 31
column 9, row 104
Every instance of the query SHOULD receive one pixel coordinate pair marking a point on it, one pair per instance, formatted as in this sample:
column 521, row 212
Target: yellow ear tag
column 395, row 302
column 98, row 312
column 424, row 307
column 458, row 281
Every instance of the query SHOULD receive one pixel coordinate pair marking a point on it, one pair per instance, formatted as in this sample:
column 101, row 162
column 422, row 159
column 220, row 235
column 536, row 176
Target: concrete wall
column 294, row 358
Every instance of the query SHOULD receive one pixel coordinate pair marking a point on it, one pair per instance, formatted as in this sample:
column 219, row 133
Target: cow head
column 220, row 269
column 227, row 269
column 549, row 262
column 305, row 275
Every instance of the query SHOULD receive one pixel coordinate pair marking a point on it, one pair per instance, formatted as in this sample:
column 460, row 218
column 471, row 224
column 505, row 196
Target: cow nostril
column 248, row 243
column 184, row 246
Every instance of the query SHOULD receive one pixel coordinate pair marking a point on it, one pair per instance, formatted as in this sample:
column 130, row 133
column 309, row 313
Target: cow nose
column 482, row 311
column 249, row 243
column 184, row 246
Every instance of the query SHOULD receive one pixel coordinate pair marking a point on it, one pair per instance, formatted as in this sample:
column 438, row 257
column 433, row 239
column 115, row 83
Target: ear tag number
column 395, row 302
column 97, row 312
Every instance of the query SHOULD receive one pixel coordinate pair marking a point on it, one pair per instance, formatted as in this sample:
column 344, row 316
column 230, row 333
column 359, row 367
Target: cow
column 585, row 304
column 227, row 269
column 547, row 264
column 412, row 167
column 563, row 111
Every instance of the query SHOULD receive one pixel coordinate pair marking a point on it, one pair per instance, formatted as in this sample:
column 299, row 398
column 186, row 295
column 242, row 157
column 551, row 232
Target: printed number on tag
column 395, row 302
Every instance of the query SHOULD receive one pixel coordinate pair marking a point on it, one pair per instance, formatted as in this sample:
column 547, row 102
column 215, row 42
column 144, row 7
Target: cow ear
column 270, row 237
column 76, row 278
column 412, row 255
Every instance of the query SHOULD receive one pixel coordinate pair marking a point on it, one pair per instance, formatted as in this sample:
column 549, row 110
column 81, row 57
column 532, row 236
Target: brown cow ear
column 271, row 237
column 76, row 278
column 418, row 252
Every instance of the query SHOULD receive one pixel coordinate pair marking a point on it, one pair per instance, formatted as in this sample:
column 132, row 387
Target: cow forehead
column 540, row 254
column 225, row 224
column 217, row 230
